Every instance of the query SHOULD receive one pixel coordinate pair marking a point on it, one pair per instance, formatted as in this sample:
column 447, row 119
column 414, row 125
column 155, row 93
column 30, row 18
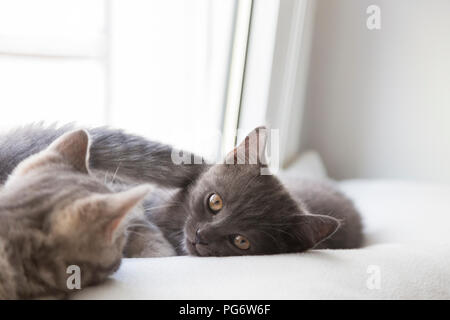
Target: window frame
column 275, row 83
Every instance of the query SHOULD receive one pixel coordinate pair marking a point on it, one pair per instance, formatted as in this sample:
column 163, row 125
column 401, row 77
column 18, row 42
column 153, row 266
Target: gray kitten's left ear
column 74, row 148
column 250, row 151
column 312, row 229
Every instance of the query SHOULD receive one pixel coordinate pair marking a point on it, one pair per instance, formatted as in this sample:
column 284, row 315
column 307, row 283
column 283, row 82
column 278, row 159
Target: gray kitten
column 231, row 209
column 54, row 214
column 212, row 210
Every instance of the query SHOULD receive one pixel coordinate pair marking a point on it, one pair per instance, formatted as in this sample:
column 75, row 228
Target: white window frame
column 274, row 86
column 236, row 73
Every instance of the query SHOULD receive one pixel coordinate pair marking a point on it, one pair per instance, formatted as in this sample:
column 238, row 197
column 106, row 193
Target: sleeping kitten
column 54, row 214
column 212, row 210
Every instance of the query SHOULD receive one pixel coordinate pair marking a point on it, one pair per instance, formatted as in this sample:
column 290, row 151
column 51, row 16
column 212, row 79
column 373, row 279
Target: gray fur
column 54, row 214
column 131, row 157
column 324, row 198
column 277, row 217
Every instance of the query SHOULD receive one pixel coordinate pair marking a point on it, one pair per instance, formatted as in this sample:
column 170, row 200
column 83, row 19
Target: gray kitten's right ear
column 74, row 148
column 251, row 150
column 121, row 204
column 106, row 213
column 112, row 208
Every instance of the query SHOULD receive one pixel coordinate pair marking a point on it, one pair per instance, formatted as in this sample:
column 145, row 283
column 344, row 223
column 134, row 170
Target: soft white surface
column 408, row 240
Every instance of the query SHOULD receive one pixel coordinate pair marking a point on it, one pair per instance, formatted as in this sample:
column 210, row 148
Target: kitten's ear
column 120, row 204
column 312, row 229
column 102, row 214
column 251, row 150
column 71, row 148
column 74, row 148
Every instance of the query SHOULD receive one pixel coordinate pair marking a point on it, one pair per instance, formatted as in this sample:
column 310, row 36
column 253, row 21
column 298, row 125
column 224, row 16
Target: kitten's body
column 314, row 197
column 54, row 214
column 8, row 285
column 113, row 152
column 252, row 198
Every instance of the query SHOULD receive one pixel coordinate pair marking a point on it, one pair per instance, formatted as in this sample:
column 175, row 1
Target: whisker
column 115, row 173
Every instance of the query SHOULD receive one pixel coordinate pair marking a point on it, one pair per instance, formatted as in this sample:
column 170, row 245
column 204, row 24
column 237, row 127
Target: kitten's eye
column 215, row 203
column 241, row 242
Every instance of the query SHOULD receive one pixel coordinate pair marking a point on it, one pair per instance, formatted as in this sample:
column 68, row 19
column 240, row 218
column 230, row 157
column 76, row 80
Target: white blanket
column 407, row 256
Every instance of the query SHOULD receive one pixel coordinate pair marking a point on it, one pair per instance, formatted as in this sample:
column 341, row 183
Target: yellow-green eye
column 215, row 203
column 241, row 242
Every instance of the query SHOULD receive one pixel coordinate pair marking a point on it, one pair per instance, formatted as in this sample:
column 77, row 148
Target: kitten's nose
column 198, row 238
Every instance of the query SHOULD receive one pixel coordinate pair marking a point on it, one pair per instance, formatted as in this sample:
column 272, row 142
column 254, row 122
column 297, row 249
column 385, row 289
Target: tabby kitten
column 212, row 210
column 54, row 214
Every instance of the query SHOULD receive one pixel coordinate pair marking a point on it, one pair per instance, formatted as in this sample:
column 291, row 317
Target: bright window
column 159, row 68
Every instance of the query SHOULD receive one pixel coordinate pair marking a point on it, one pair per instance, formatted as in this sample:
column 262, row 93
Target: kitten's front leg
column 144, row 240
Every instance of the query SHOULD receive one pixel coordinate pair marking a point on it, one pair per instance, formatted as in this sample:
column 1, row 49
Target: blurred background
column 373, row 103
column 157, row 68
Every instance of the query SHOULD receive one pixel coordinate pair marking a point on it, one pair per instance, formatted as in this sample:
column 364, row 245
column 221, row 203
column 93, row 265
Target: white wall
column 378, row 102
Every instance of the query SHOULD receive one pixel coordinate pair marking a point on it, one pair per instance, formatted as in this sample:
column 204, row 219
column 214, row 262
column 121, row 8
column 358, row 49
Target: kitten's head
column 59, row 215
column 235, row 210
